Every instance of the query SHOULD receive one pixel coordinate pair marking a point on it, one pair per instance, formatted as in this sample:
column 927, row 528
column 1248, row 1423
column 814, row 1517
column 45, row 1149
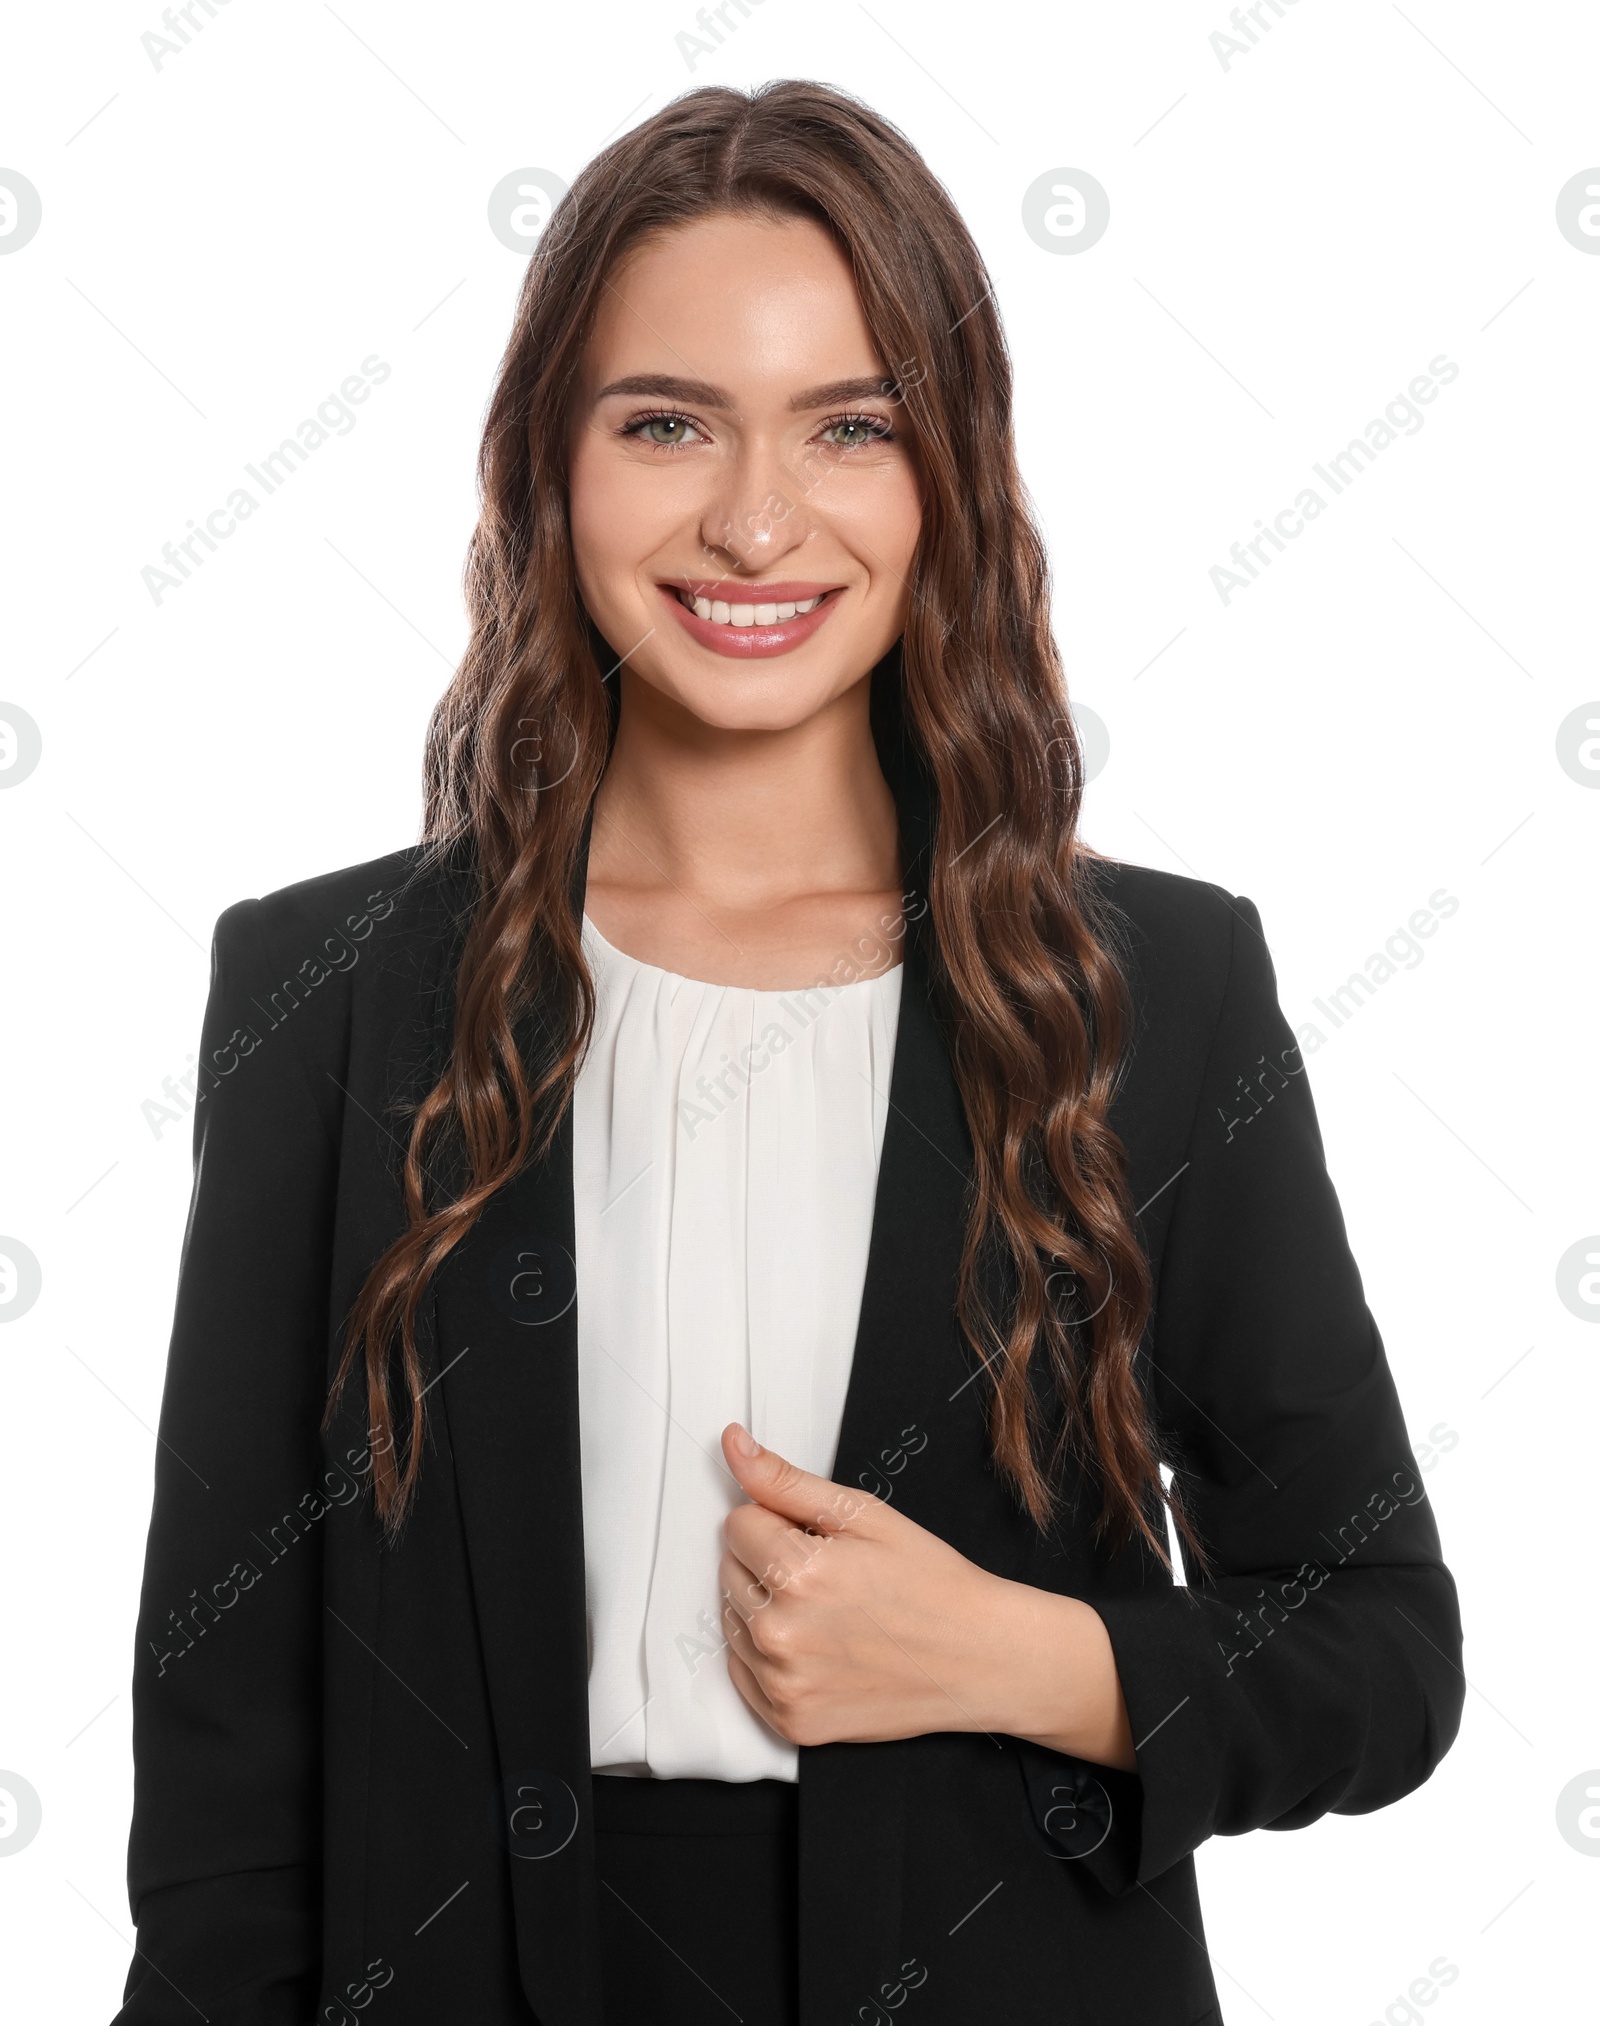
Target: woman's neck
column 745, row 857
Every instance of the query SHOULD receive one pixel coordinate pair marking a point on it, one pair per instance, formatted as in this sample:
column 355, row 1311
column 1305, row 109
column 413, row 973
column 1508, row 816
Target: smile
column 750, row 619
column 723, row 614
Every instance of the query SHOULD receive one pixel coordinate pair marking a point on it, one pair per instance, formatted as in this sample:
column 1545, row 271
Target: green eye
column 860, row 431
column 665, row 430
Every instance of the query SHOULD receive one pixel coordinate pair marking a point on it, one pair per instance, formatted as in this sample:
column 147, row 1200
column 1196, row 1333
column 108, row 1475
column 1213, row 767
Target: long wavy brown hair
column 1053, row 1281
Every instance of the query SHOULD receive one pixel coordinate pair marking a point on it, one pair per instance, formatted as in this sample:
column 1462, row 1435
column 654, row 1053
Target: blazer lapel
column 507, row 1337
column 895, row 1433
column 506, row 1322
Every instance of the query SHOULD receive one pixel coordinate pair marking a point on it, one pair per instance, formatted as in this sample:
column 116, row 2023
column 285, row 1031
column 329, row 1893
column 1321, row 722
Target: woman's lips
column 748, row 641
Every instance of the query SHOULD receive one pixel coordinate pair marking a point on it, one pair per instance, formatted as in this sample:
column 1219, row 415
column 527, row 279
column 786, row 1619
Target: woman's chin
column 751, row 696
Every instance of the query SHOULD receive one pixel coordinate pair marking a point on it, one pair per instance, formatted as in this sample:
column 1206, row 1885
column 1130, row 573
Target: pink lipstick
column 736, row 617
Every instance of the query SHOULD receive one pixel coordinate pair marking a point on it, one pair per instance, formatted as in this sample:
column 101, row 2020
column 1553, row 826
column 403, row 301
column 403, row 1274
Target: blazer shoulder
column 411, row 884
column 1202, row 986
column 358, row 951
column 1174, row 932
column 1195, row 957
column 416, row 893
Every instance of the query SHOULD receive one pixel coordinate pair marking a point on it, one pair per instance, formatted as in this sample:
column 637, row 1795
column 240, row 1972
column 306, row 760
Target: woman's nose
column 757, row 514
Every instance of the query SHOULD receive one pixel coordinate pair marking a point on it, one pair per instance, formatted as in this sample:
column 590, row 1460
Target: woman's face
column 734, row 459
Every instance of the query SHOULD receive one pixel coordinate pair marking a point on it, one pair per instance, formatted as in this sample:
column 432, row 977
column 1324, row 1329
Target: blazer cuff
column 1084, row 1814
column 1164, row 1645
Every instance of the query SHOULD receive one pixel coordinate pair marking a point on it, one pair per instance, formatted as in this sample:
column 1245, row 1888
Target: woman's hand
column 846, row 1621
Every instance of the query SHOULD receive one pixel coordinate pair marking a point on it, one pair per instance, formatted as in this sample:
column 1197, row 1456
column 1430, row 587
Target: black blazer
column 362, row 1787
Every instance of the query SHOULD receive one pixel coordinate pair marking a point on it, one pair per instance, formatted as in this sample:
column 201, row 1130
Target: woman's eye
column 858, row 431
column 664, row 431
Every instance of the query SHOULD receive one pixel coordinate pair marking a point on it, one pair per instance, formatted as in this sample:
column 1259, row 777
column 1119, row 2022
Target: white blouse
column 725, row 1158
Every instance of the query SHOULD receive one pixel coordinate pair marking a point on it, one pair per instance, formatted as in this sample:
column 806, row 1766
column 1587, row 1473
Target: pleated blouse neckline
column 619, row 959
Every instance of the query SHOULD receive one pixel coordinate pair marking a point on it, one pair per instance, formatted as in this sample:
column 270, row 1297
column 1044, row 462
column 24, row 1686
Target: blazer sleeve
column 223, row 1854
column 1319, row 1667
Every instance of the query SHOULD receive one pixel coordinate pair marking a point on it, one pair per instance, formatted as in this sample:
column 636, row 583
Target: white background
column 1293, row 237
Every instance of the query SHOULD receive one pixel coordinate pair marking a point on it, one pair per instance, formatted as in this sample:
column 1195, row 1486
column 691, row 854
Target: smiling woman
column 758, row 1084
column 753, row 548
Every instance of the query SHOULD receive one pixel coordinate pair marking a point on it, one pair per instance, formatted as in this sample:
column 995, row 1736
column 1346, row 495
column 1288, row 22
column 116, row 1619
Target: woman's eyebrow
column 669, row 387
column 832, row 392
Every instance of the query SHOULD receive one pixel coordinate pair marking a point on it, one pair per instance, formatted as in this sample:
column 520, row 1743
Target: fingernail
column 744, row 1441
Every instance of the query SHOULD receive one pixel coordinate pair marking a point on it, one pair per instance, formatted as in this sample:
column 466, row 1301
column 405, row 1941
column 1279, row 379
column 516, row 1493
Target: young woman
column 752, row 1049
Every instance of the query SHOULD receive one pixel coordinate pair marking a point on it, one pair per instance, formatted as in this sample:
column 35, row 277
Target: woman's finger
column 745, row 1681
column 772, row 1546
column 741, row 1587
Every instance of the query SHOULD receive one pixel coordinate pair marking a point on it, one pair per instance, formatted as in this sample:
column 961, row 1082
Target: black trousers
column 699, row 1901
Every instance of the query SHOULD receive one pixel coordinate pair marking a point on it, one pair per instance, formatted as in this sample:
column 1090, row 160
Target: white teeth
column 722, row 614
